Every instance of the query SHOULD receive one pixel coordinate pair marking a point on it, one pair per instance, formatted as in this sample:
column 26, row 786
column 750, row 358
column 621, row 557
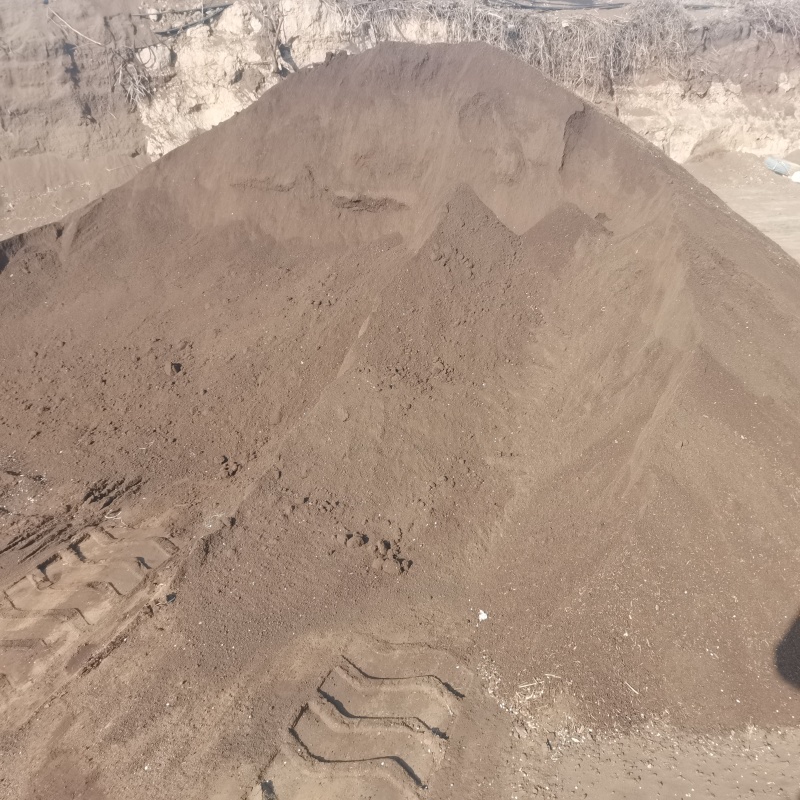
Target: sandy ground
column 383, row 462
column 36, row 190
column 768, row 201
column 660, row 763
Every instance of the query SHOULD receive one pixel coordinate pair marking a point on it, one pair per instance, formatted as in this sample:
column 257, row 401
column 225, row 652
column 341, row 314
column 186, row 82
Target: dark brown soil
column 418, row 335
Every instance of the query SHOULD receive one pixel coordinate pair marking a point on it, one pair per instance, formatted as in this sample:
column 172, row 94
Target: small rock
column 392, row 567
column 377, row 564
column 342, row 414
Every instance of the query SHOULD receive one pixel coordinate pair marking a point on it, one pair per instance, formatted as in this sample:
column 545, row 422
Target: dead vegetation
column 768, row 17
column 130, row 75
column 126, row 70
column 588, row 53
column 271, row 16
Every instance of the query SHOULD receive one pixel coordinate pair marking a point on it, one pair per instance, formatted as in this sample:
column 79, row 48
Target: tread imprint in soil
column 377, row 728
column 48, row 614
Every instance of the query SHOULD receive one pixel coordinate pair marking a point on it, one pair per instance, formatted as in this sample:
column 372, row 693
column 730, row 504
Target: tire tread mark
column 387, row 768
column 72, row 616
column 86, row 574
column 29, row 644
column 430, row 684
column 337, row 722
column 329, row 710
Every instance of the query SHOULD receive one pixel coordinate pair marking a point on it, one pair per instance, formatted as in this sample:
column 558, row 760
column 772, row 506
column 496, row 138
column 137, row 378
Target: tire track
column 75, row 599
column 377, row 728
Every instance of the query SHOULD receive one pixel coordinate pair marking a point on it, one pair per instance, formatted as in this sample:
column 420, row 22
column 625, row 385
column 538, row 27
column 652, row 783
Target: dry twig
column 125, row 67
column 768, row 17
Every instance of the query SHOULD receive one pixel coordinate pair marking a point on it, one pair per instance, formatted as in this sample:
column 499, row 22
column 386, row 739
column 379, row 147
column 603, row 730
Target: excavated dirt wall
column 67, row 118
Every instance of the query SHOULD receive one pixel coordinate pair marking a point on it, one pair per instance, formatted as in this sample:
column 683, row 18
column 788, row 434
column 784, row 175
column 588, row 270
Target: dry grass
column 271, row 16
column 585, row 52
column 588, row 53
column 130, row 75
column 124, row 65
column 767, row 17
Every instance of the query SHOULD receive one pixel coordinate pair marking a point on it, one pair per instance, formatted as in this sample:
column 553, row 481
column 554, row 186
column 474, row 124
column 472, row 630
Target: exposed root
column 768, row 17
column 587, row 53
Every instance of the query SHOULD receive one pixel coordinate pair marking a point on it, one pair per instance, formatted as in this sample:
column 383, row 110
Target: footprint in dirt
column 387, row 558
column 352, row 541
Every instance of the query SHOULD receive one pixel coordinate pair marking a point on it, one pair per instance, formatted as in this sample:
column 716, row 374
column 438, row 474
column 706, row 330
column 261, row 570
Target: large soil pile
column 416, row 336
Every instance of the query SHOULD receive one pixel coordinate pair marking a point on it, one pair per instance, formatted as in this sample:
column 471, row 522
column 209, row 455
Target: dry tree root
column 130, row 75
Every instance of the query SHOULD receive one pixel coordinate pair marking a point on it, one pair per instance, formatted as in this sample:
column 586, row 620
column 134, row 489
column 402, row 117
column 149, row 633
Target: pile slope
column 416, row 336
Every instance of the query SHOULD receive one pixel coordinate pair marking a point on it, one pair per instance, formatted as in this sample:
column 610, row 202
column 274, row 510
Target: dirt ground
column 768, row 201
column 35, row 190
column 409, row 451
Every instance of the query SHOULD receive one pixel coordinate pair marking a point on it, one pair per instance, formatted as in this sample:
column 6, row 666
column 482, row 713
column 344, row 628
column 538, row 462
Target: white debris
column 482, row 616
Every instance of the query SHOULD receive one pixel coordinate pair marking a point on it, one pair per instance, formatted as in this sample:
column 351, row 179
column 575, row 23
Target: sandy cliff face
column 56, row 88
column 740, row 94
column 67, row 132
column 722, row 116
column 72, row 119
column 214, row 73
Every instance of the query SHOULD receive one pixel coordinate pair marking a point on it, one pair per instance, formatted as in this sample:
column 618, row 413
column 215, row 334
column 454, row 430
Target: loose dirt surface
column 419, row 431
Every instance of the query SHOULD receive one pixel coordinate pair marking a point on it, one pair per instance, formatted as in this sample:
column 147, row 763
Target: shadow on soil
column 4, row 257
column 787, row 656
column 8, row 247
